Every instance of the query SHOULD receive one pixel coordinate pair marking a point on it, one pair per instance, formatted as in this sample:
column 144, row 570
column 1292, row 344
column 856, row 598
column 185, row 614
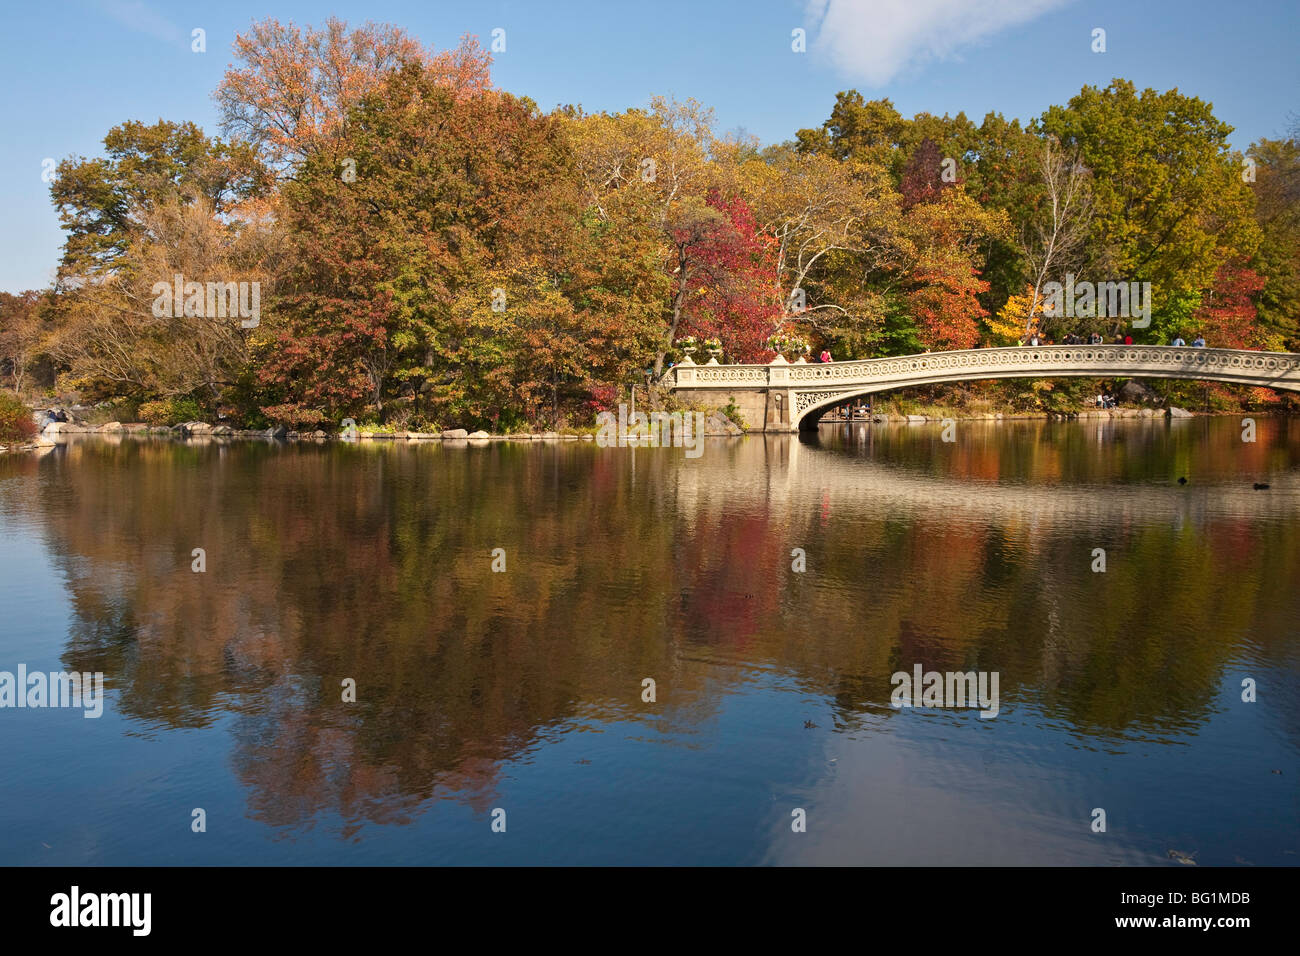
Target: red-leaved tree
column 736, row 299
column 1227, row 316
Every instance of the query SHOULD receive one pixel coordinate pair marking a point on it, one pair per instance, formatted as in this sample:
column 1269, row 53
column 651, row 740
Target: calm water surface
column 522, row 690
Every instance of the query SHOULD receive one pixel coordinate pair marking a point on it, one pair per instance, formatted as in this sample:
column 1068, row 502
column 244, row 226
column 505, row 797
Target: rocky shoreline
column 717, row 426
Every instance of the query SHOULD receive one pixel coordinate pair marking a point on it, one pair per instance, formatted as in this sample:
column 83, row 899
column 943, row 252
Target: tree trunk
column 679, row 300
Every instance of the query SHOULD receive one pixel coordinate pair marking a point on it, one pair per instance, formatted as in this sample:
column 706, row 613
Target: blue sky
column 71, row 69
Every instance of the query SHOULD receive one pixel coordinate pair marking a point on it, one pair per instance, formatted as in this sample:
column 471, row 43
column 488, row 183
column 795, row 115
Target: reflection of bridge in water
column 796, row 475
column 786, row 397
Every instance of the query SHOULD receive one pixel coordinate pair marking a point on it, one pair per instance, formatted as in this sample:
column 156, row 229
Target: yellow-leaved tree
column 1008, row 326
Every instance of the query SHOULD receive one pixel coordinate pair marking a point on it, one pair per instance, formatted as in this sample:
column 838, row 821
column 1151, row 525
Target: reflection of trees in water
column 998, row 576
column 372, row 562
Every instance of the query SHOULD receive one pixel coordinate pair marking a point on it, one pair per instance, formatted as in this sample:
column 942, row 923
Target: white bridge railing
column 1262, row 368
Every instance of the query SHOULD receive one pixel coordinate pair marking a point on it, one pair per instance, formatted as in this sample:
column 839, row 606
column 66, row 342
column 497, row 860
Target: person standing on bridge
column 1199, row 343
column 1178, row 341
column 825, row 356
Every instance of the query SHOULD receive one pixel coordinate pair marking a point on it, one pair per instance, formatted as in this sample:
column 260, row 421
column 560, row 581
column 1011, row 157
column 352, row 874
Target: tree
column 1056, row 234
column 1277, row 211
column 942, row 275
column 651, row 172
column 734, row 268
column 166, row 201
column 1227, row 315
column 833, row 222
column 1001, row 171
column 1021, row 312
column 291, row 96
column 100, row 201
column 435, row 268
column 21, row 335
column 1169, row 204
column 922, row 180
column 857, row 129
column 114, row 335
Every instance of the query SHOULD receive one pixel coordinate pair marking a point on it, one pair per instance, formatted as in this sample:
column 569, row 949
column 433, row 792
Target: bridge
column 787, row 397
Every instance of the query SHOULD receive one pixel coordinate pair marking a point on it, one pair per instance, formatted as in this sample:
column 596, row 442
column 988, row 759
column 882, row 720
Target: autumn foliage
column 434, row 251
column 1227, row 315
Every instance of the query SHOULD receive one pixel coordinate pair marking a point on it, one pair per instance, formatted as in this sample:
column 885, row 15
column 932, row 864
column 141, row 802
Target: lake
column 501, row 610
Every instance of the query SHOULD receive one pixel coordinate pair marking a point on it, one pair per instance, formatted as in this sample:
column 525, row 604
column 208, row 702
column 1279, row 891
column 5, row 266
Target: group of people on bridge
column 1095, row 338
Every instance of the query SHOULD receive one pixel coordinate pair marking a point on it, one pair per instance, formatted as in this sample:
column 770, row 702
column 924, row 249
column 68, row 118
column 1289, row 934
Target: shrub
column 118, row 410
column 294, row 416
column 16, row 422
column 154, row 413
column 733, row 413
column 171, row 411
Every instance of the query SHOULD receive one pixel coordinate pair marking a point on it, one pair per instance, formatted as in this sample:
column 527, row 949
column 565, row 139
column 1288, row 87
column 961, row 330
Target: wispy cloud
column 142, row 19
column 872, row 41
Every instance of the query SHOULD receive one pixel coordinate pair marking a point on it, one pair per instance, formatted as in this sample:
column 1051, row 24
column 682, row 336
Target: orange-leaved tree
column 292, row 93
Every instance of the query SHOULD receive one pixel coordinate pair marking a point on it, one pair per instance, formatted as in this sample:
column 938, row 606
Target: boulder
column 1179, row 413
column 223, row 430
column 277, row 431
column 718, row 425
column 917, row 418
column 478, row 434
column 1135, row 391
column 111, row 427
column 454, row 433
column 319, row 433
column 549, row 436
column 588, row 437
column 196, row 428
